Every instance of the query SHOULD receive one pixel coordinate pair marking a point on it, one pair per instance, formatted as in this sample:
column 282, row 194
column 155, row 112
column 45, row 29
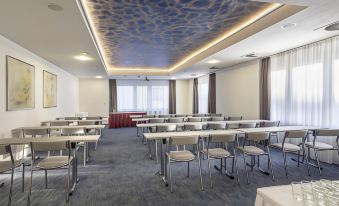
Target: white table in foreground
column 276, row 196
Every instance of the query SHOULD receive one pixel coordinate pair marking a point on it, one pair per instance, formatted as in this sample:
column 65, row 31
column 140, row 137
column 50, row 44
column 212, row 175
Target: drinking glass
column 332, row 199
column 307, row 193
column 296, row 191
column 319, row 195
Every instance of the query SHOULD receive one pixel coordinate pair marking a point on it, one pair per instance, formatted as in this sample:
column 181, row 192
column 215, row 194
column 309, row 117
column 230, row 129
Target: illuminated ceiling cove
column 162, row 34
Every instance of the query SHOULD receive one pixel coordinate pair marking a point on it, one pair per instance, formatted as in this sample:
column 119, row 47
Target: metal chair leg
column 170, row 175
column 318, row 164
column 271, row 167
column 156, row 150
column 221, row 166
column 307, row 162
column 188, row 169
column 245, row 163
column 200, row 172
column 68, row 182
column 285, row 165
column 23, row 178
column 46, row 179
column 236, row 166
column 298, row 159
column 209, row 171
column 30, row 186
column 11, row 187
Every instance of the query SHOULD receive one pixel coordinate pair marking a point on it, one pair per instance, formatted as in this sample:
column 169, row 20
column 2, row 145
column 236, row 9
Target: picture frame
column 50, row 85
column 20, row 85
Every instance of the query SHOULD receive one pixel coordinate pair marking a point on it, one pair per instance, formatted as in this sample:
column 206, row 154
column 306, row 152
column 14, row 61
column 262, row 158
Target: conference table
column 164, row 136
column 72, row 139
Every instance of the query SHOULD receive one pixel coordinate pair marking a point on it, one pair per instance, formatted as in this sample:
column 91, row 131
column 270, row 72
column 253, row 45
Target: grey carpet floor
column 120, row 173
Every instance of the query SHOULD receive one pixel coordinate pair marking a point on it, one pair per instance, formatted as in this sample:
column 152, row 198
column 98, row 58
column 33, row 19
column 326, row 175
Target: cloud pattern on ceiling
column 159, row 33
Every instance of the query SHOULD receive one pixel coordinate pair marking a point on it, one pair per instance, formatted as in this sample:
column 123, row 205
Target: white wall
column 94, row 96
column 184, row 97
column 237, row 90
column 67, row 91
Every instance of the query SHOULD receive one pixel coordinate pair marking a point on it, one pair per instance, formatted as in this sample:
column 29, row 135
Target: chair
column 194, row 119
column 73, row 118
column 253, row 150
column 93, row 118
column 234, row 118
column 220, row 152
column 272, row 124
column 90, row 131
column 165, row 116
column 51, row 162
column 10, row 165
column 34, row 133
column 199, row 115
column 217, row 126
column 293, row 148
column 318, row 146
column 180, row 115
column 214, row 119
column 156, row 121
column 215, row 115
column 57, row 123
column 248, row 125
column 232, row 125
column 192, row 127
column 148, row 116
column 176, row 120
column 183, row 155
column 75, row 132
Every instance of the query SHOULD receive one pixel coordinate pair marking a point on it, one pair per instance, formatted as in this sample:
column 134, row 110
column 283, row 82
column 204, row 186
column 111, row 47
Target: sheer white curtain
column 305, row 87
column 203, row 94
column 139, row 95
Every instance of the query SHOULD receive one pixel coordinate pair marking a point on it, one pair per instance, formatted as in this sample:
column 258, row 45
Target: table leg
column 75, row 178
column 163, row 161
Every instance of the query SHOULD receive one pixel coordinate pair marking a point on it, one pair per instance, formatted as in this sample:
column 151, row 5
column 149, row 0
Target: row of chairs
column 182, row 115
column 80, row 118
column 47, row 163
column 189, row 119
column 66, row 123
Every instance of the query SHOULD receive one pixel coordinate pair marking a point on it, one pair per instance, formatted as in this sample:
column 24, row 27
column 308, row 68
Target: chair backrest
column 221, row 138
column 36, row 132
column 4, row 149
column 184, row 140
column 257, row 136
column 199, row 115
column 194, row 119
column 59, row 123
column 270, row 124
column 148, row 116
column 232, row 125
column 72, row 131
column 166, row 128
column 93, row 118
column 218, row 119
column 217, row 126
column 247, row 125
column 165, row 116
column 214, row 115
column 192, row 127
column 72, row 118
column 156, row 120
column 327, row 132
column 176, row 120
column 50, row 146
column 86, row 122
column 234, row 118
column 180, row 115
column 296, row 134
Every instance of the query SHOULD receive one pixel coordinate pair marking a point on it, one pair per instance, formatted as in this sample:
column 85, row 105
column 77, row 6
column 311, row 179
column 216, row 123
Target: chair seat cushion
column 183, row 155
column 252, row 150
column 287, row 146
column 7, row 165
column 53, row 162
column 319, row 145
column 217, row 152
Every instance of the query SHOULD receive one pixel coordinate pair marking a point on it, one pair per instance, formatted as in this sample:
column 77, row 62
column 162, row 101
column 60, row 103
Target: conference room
column 169, row 102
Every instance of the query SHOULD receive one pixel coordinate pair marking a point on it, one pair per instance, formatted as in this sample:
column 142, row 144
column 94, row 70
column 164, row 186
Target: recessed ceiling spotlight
column 288, row 25
column 83, row 57
column 55, row 7
column 99, row 77
column 173, row 77
column 193, row 75
column 213, row 61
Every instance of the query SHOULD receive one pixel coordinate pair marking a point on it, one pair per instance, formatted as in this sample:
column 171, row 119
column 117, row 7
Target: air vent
column 334, row 26
column 250, row 55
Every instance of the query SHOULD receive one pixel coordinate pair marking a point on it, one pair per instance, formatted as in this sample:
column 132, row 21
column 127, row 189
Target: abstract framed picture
column 20, row 82
column 50, row 89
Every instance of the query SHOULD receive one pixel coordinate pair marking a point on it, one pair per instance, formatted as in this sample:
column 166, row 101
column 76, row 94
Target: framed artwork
column 20, row 84
column 50, row 89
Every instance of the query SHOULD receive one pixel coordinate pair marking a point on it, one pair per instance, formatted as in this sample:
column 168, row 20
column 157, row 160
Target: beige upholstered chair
column 217, row 126
column 183, row 155
column 272, row 124
column 214, row 119
column 54, row 132
column 234, row 118
column 252, row 148
column 93, row 118
column 73, row 118
column 221, row 152
column 51, row 162
column 192, row 127
column 215, row 115
column 76, row 132
column 180, row 115
column 10, row 165
column 148, row 116
column 165, row 116
column 194, row 119
column 176, row 120
column 318, row 146
column 199, row 115
column 248, row 125
column 91, row 131
column 232, row 125
column 293, row 148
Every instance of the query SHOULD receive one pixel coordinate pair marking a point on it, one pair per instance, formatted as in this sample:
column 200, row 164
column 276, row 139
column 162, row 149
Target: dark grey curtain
column 112, row 95
column 195, row 97
column 265, row 88
column 211, row 94
column 172, row 97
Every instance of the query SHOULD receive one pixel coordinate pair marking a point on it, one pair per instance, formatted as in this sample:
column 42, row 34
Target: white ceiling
column 58, row 36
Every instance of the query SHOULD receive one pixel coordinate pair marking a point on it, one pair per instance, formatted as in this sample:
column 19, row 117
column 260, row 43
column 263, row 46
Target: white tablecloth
column 276, row 196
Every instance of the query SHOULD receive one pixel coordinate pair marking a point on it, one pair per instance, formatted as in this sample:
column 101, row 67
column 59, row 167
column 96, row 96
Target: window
column 139, row 95
column 203, row 94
